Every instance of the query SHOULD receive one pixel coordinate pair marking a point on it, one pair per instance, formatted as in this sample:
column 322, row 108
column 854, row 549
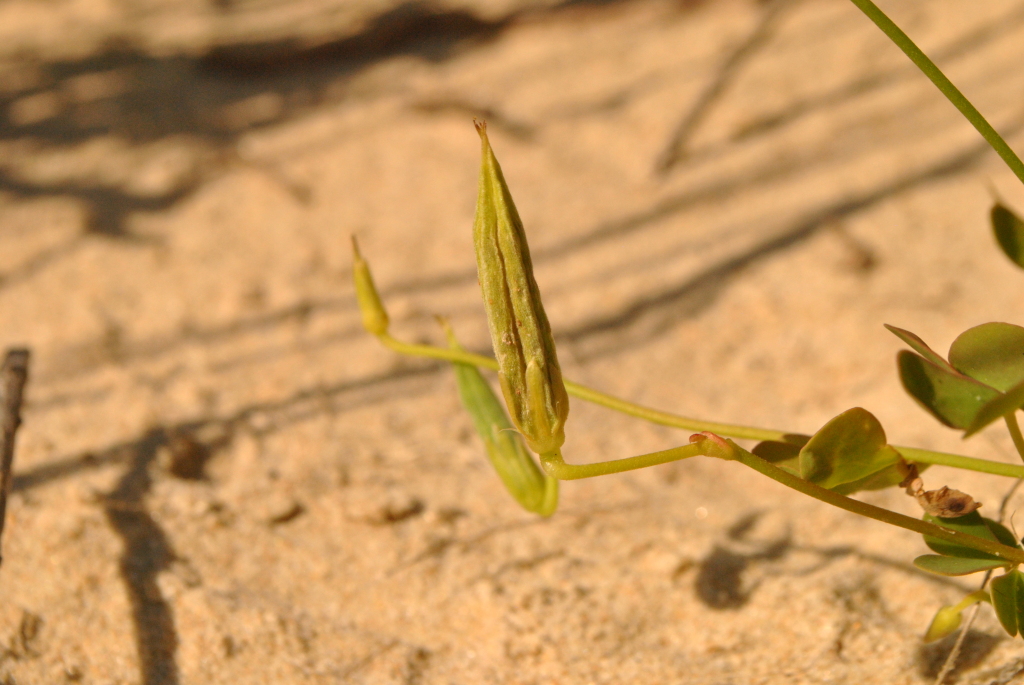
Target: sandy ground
column 222, row 479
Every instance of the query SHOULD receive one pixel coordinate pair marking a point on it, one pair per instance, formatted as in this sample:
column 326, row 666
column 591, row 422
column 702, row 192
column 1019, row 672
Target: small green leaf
column 951, row 397
column 992, row 353
column 1008, row 600
column 920, row 346
column 972, row 524
column 1009, row 230
column 955, row 566
column 996, row 408
column 849, row 448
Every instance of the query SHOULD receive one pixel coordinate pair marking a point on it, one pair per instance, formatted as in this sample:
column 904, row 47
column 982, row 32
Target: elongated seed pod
column 531, row 379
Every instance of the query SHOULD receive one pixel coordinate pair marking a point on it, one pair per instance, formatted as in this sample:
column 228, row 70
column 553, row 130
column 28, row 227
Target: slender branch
column 952, row 93
column 663, row 418
column 555, row 466
column 1014, row 428
column 766, row 468
column 13, row 376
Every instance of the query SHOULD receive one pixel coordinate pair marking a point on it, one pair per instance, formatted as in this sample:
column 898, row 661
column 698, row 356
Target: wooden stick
column 13, row 376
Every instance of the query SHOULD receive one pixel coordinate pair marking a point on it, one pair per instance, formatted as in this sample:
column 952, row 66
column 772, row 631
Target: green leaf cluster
column 982, row 381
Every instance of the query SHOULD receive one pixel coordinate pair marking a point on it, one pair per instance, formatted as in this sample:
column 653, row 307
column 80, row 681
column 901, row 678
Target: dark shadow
column 719, row 583
column 962, row 46
column 675, row 150
column 299, row 406
column 976, row 646
column 412, row 28
column 208, row 101
column 147, row 552
column 660, row 311
column 650, row 314
column 720, row 576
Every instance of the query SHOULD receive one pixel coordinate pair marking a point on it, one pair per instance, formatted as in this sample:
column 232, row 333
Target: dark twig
column 13, row 375
column 950, row 663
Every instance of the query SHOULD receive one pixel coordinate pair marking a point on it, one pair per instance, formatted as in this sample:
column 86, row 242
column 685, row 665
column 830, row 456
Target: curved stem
column 1014, row 428
column 555, row 466
column 952, row 93
column 686, row 423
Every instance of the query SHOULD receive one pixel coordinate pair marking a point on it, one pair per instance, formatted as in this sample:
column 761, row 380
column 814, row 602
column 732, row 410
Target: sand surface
column 222, row 479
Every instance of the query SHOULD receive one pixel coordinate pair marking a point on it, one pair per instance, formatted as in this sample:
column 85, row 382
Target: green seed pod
column 533, row 489
column 530, row 377
column 375, row 317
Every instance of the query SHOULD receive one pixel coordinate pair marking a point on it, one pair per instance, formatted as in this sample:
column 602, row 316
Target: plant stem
column 952, row 93
column 959, row 461
column 663, row 418
column 1014, row 428
column 555, row 466
column 1011, row 554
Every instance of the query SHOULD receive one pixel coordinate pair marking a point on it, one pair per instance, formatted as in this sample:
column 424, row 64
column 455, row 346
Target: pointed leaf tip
column 920, row 346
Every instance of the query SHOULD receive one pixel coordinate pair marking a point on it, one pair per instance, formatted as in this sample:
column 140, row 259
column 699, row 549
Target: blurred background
column 222, row 479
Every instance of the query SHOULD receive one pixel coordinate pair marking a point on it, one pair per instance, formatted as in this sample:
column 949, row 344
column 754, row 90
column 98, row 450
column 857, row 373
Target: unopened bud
column 375, row 317
column 946, row 621
column 528, row 370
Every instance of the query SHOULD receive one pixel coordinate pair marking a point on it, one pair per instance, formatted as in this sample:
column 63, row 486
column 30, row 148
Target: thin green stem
column 1014, row 428
column 958, row 461
column 790, row 480
column 676, row 421
column 686, row 423
column 442, row 353
column 555, row 466
column 952, row 93
column 973, row 598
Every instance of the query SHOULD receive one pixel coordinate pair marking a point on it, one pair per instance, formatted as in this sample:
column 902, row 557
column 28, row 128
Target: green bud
column 946, row 621
column 375, row 317
column 528, row 370
column 533, row 489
